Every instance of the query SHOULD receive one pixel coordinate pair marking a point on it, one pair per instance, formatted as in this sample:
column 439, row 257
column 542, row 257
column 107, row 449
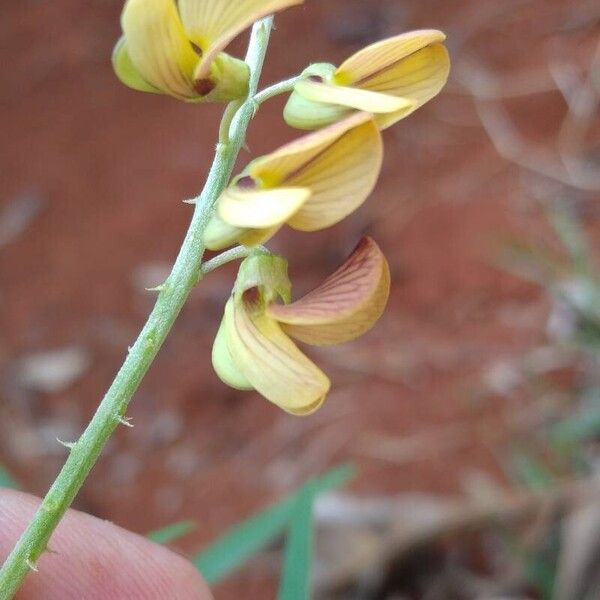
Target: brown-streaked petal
column 158, row 46
column 340, row 178
column 272, row 363
column 379, row 56
column 419, row 77
column 212, row 24
column 340, row 165
column 276, row 168
column 345, row 306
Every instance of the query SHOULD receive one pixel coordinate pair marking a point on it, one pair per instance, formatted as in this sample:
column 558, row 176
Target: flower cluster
column 310, row 184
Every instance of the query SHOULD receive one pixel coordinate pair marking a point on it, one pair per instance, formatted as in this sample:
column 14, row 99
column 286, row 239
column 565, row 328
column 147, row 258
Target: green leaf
column 6, row 480
column 295, row 578
column 242, row 541
column 170, row 533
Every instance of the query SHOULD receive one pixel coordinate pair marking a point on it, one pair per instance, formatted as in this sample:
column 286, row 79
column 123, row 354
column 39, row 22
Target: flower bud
column 301, row 113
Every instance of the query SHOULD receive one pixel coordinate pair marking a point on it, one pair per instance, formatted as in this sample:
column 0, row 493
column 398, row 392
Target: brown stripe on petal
column 272, row 362
column 345, row 306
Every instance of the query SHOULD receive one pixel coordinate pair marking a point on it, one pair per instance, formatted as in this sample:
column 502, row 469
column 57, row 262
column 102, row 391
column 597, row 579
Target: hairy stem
column 228, row 256
column 276, row 89
column 173, row 294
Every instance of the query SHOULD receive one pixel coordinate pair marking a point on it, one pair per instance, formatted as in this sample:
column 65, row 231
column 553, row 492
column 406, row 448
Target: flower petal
column 368, row 101
column 126, row 70
column 339, row 164
column 340, row 178
column 419, row 77
column 378, row 56
column 212, row 24
column 260, row 208
column 224, row 364
column 345, row 306
column 255, row 237
column 159, row 47
column 272, row 363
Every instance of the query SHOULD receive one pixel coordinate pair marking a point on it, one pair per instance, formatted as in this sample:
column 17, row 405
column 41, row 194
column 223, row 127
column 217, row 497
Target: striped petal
column 414, row 66
column 260, row 208
column 272, row 363
column 339, row 164
column 212, row 24
column 420, row 77
column 126, row 71
column 345, row 306
column 383, row 54
column 224, row 364
column 159, row 47
column 351, row 97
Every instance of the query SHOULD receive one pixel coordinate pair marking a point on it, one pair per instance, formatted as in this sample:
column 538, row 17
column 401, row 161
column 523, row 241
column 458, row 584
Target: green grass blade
column 577, row 428
column 6, row 480
column 170, row 533
column 238, row 544
column 533, row 472
column 242, row 541
column 295, row 577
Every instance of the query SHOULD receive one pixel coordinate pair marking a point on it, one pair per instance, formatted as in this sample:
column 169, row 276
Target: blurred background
column 472, row 410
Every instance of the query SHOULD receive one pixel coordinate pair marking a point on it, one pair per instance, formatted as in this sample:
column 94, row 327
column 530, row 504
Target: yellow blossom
column 391, row 79
column 310, row 184
column 175, row 48
column 253, row 348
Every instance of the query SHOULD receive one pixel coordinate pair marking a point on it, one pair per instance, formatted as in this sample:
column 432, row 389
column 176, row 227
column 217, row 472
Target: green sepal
column 268, row 274
column 301, row 113
column 231, row 76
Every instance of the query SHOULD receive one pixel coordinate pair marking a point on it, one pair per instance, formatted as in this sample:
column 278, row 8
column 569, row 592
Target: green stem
column 174, row 293
column 228, row 256
column 278, row 88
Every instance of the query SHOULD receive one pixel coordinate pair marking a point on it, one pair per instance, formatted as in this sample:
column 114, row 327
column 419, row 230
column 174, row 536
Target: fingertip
column 97, row 560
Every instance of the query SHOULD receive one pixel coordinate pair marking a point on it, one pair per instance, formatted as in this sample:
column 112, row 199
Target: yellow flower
column 391, row 79
column 176, row 49
column 310, row 184
column 253, row 348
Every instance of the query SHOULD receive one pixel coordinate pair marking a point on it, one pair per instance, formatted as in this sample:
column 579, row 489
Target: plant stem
column 174, row 292
column 228, row 256
column 228, row 115
column 277, row 88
